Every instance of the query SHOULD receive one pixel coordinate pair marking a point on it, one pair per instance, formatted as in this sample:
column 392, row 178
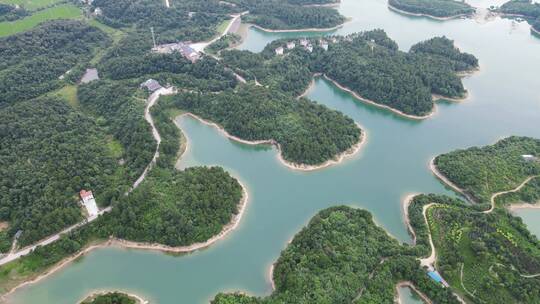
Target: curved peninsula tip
column 435, row 9
column 113, row 297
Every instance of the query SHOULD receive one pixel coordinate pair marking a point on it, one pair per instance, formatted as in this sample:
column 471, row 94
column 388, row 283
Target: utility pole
column 153, row 36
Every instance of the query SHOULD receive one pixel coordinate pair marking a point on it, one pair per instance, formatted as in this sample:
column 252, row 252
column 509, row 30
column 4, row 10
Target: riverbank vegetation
column 110, row 298
column 343, row 257
column 481, row 172
column 368, row 63
column 307, row 133
column 527, row 9
column 280, row 15
column 434, row 8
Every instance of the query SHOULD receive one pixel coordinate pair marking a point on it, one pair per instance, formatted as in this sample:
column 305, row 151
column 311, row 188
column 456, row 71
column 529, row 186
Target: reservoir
column 504, row 99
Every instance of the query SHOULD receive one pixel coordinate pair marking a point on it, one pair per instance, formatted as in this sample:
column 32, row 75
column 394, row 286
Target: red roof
column 84, row 194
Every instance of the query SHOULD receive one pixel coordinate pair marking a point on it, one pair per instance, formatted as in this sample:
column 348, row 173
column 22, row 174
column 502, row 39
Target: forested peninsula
column 482, row 172
column 343, row 257
column 527, row 9
column 483, row 257
column 112, row 298
column 437, row 9
column 306, row 133
column 369, row 64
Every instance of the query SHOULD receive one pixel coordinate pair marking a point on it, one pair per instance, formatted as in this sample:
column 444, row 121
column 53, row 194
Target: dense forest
column 121, row 114
column 49, row 153
column 111, row 298
column 486, row 257
column 279, row 15
column 528, row 9
column 481, row 172
column 435, row 8
column 32, row 62
column 178, row 208
column 343, row 257
column 368, row 63
column 307, row 133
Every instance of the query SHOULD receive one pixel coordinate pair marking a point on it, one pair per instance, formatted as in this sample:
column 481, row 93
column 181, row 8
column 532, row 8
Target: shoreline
column 373, row 103
column 311, row 29
column 447, row 182
column 301, row 167
column 426, row 15
column 514, row 207
column 114, row 242
column 137, row 298
column 405, row 203
column 410, row 285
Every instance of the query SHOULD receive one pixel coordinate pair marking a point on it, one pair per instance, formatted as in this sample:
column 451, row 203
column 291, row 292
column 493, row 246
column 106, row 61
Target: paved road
column 51, row 239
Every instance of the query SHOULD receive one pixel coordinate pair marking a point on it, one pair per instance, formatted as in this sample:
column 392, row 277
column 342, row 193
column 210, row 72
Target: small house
column 151, row 85
column 528, row 157
column 304, row 42
column 309, row 48
column 89, row 203
column 98, row 11
column 291, row 45
column 279, row 51
column 324, row 45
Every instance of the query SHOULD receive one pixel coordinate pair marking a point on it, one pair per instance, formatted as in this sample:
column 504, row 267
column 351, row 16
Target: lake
column 504, row 100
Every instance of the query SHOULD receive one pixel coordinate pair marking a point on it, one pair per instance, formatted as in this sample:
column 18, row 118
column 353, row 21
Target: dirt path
column 495, row 195
column 53, row 238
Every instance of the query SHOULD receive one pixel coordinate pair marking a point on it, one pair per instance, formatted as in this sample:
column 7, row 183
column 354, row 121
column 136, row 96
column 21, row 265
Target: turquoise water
column 408, row 296
column 531, row 217
column 504, row 100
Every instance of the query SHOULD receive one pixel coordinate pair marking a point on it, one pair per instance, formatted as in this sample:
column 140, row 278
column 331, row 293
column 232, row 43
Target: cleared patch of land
column 66, row 11
column 31, row 4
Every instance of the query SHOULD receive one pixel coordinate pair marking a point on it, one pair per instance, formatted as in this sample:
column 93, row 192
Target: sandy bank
column 405, row 203
column 138, row 299
column 426, row 15
column 328, row 29
column 140, row 245
column 371, row 102
column 515, row 207
column 301, row 167
column 445, row 180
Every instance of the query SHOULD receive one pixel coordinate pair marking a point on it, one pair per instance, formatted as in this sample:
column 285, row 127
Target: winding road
column 494, row 196
column 53, row 238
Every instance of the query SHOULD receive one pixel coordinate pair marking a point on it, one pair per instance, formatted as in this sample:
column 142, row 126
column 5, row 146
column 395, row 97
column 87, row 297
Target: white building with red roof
column 89, row 203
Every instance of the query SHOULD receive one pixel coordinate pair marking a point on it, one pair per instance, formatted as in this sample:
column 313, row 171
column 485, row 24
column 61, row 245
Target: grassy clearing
column 116, row 148
column 66, row 11
column 31, row 4
column 69, row 94
column 115, row 34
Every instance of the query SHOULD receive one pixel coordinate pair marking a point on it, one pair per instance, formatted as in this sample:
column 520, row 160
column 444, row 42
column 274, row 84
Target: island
column 527, row 9
column 368, row 64
column 436, row 9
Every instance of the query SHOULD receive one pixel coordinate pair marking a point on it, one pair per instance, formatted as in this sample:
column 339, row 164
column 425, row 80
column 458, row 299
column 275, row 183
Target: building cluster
column 304, row 43
column 181, row 47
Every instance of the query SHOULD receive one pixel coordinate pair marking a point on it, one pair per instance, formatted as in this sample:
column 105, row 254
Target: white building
column 529, row 157
column 279, row 51
column 309, row 48
column 324, row 44
column 304, row 42
column 89, row 203
column 291, row 45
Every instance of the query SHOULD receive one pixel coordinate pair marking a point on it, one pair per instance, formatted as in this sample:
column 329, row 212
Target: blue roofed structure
column 436, row 276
